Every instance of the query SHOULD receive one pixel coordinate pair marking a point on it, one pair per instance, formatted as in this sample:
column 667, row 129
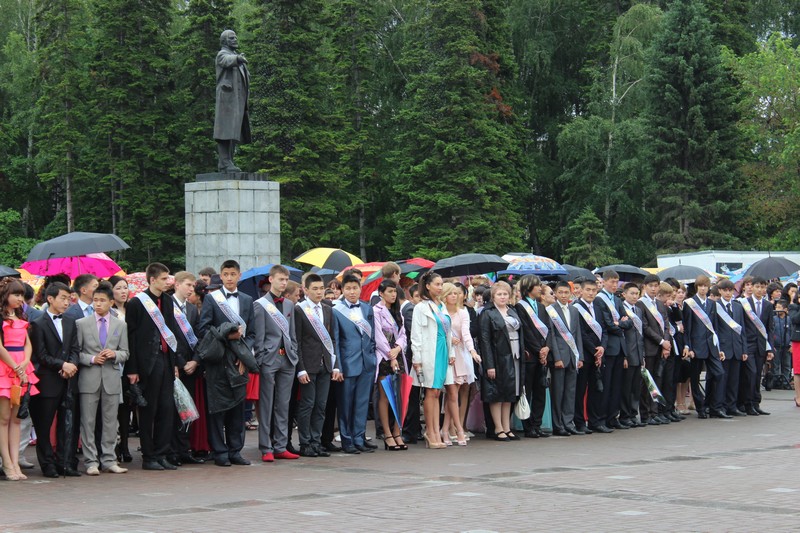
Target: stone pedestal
column 232, row 219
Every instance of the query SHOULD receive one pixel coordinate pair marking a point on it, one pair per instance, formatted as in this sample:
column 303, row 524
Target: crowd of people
column 84, row 366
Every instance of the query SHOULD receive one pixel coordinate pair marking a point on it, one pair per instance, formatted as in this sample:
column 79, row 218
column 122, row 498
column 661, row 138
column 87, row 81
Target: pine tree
column 697, row 193
column 456, row 163
column 588, row 242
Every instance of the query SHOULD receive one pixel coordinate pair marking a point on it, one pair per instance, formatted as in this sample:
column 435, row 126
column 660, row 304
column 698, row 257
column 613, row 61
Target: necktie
column 232, row 295
column 103, row 332
column 535, row 306
column 758, row 308
column 89, row 310
column 163, row 342
column 728, row 308
column 565, row 310
column 318, row 310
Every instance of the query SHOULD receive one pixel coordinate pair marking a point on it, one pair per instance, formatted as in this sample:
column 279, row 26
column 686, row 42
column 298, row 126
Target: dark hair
column 311, row 278
column 725, row 284
column 674, row 282
column 82, row 281
column 782, row 303
column 207, row 271
column 462, row 287
column 651, row 278
column 785, row 292
column 200, row 289
column 350, row 278
column 54, row 288
column 772, row 287
column 63, row 278
column 230, row 263
column 355, row 272
column 335, row 283
column 105, row 288
column 527, row 283
column 426, row 280
column 154, row 270
column 630, row 285
column 758, row 280
column 412, row 289
column 588, row 281
column 394, row 309
column 714, row 291
column 29, row 292
column 610, row 274
column 9, row 286
column 563, row 284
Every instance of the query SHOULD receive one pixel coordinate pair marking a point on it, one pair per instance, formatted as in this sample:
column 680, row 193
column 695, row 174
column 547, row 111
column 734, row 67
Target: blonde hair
column 502, row 286
column 183, row 275
column 448, row 288
column 665, row 289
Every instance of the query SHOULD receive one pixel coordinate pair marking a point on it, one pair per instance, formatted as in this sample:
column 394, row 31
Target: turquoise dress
column 442, row 349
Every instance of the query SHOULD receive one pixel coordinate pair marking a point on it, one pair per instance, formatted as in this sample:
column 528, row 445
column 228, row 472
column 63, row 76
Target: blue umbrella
column 251, row 278
column 533, row 264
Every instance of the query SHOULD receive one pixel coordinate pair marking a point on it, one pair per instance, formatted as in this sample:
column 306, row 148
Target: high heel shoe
column 11, row 474
column 461, row 440
column 20, row 475
column 796, row 403
column 433, row 445
column 402, row 445
column 446, row 441
column 393, row 448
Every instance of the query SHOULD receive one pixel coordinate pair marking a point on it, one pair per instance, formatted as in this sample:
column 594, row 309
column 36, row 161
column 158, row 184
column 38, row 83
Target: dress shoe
column 308, row 451
column 331, row 447
column 663, row 419
column 322, row 452
column 286, row 454
column 222, row 462
column 678, row 414
column 575, row 431
column 616, row 424
column 542, row 433
column 760, row 411
column 752, row 412
column 718, row 414
column 68, row 472
column 653, row 421
column 152, row 465
column 115, row 469
column 50, row 471
column 92, row 471
column 189, row 459
column 239, row 460
column 736, row 412
column 369, row 445
column 641, row 424
column 503, row 438
column 602, row 429
column 363, row 448
column 562, row 433
column 291, row 449
column 25, row 464
column 531, row 434
column 268, row 457
column 702, row 415
column 351, row 450
column 512, row 436
column 174, row 460
column 672, row 417
column 167, row 465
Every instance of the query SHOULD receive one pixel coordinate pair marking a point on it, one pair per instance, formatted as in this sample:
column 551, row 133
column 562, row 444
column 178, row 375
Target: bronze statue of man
column 231, row 116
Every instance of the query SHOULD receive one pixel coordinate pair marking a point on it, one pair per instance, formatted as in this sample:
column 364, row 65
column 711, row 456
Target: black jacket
column 225, row 387
column 794, row 319
column 496, row 353
column 49, row 353
column 144, row 339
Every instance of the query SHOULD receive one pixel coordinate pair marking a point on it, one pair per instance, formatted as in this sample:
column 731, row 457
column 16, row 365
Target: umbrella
column 367, row 270
column 574, row 272
column 77, row 243
column 626, row 272
column 397, row 388
column 326, row 273
column 8, row 272
column 772, row 267
column 469, row 265
column 332, row 258
column 98, row 264
column 684, row 273
column 68, row 403
column 408, row 268
column 137, row 282
column 251, row 279
column 415, row 264
column 533, row 264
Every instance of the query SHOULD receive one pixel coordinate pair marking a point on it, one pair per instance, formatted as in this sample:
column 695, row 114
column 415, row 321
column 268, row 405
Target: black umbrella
column 68, row 403
column 683, row 273
column 772, row 267
column 469, row 265
column 8, row 272
column 76, row 243
column 626, row 272
column 574, row 272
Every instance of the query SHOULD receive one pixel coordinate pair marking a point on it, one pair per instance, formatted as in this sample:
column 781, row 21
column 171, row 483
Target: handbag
column 24, row 411
column 522, row 409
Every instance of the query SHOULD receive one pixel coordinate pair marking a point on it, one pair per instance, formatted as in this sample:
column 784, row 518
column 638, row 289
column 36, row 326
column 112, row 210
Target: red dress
column 15, row 332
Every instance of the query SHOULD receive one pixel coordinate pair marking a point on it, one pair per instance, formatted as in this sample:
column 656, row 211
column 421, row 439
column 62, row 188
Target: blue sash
column 227, row 310
column 275, row 315
column 590, row 321
column 541, row 326
column 728, row 319
column 158, row 319
column 563, row 330
column 186, row 328
column 317, row 324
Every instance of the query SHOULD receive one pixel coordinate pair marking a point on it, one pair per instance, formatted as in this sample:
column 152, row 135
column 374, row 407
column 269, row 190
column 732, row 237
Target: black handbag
column 24, row 404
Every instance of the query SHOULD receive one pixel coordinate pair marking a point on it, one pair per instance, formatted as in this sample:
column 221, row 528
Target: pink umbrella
column 99, row 264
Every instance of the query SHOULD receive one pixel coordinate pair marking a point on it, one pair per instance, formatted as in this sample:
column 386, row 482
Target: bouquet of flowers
column 187, row 410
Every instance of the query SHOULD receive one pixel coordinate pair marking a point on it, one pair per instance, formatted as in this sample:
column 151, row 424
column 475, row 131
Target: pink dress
column 464, row 370
column 15, row 332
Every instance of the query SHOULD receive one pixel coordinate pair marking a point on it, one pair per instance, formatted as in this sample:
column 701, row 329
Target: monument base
column 232, row 219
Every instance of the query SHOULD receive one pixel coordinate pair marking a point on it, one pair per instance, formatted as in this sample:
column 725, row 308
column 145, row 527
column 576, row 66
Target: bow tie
column 232, row 295
column 57, row 317
column 353, row 306
column 278, row 300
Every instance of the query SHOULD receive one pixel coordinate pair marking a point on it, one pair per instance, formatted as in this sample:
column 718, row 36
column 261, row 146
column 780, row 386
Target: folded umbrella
column 391, row 386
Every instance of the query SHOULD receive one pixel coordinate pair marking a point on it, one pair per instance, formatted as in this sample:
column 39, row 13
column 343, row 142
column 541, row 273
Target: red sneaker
column 268, row 457
column 286, row 455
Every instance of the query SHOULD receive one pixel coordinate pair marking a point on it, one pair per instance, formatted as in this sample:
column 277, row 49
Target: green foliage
column 588, row 242
column 14, row 247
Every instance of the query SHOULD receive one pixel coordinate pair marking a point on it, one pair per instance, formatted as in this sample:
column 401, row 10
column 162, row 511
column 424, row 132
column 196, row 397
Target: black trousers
column 226, row 432
column 581, row 384
column 412, row 427
column 595, row 399
column 666, row 383
column 311, row 408
column 43, row 411
column 535, row 393
column 157, row 419
column 329, row 426
column 730, row 378
column 293, row 406
column 631, row 393
column 612, row 386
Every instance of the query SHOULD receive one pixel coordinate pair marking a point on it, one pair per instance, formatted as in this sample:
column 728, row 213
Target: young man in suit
column 566, row 356
column 356, row 350
column 84, row 286
column 535, row 330
column 56, row 355
column 634, row 358
column 657, row 346
column 152, row 343
column 187, row 317
column 315, row 331
column 276, row 353
column 103, row 340
column 589, row 383
column 702, row 346
column 733, row 347
column 617, row 322
column 758, row 322
column 226, row 430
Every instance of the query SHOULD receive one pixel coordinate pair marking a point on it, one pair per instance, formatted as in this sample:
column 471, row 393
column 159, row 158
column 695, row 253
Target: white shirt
column 233, row 302
column 57, row 324
column 565, row 309
column 181, row 304
column 86, row 308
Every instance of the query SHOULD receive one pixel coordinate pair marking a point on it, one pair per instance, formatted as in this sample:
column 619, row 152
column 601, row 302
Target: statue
column 231, row 116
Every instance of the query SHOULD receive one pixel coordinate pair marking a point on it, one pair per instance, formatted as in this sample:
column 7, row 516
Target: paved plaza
column 700, row 475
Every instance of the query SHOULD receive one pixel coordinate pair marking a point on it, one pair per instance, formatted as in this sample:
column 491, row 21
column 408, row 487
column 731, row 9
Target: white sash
column 232, row 315
column 275, row 315
column 728, row 319
column 637, row 322
column 317, row 324
column 354, row 316
column 611, row 305
column 756, row 321
column 653, row 308
column 563, row 330
column 186, row 327
column 590, row 321
column 158, row 319
column 541, row 326
column 703, row 316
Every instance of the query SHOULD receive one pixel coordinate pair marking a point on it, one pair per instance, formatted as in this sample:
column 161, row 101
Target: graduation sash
column 445, row 321
column 611, row 305
column 637, row 322
column 227, row 310
column 590, row 321
column 751, row 314
column 186, row 328
column 354, row 316
column 648, row 303
column 317, row 324
column 275, row 315
column 728, row 319
column 563, row 330
column 541, row 326
column 158, row 319
column 703, row 316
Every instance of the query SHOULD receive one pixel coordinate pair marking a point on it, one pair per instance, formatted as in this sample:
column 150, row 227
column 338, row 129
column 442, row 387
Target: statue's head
column 228, row 38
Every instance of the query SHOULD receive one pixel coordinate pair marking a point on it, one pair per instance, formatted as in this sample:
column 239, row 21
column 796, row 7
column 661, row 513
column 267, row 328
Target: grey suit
column 562, row 382
column 276, row 353
column 632, row 376
column 100, row 384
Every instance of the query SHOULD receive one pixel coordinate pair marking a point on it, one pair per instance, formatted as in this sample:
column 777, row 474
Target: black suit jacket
column 50, row 353
column 757, row 343
column 74, row 311
column 590, row 340
column 654, row 334
column 532, row 338
column 312, row 356
column 144, row 339
column 616, row 344
column 731, row 343
column 635, row 341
